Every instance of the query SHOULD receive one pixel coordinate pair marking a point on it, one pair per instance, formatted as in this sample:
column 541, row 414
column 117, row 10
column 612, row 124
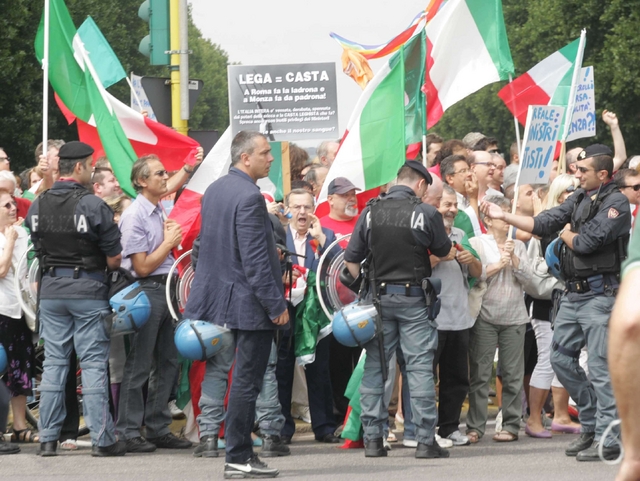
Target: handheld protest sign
column 541, row 134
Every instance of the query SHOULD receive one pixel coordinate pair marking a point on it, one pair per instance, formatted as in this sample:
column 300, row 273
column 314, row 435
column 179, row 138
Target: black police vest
column 60, row 244
column 396, row 256
column 606, row 260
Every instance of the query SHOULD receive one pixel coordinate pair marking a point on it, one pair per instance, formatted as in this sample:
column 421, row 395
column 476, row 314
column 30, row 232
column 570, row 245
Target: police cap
column 75, row 150
column 594, row 151
column 421, row 169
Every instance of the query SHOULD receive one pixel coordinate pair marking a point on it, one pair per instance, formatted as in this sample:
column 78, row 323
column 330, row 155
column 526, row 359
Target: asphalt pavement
column 525, row 459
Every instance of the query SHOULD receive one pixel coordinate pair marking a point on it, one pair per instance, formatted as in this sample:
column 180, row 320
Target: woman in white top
column 15, row 336
column 501, row 323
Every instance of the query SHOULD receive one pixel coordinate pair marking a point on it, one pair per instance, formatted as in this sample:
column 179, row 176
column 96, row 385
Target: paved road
column 526, row 459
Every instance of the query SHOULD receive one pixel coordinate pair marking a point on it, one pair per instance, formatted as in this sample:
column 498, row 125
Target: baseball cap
column 340, row 185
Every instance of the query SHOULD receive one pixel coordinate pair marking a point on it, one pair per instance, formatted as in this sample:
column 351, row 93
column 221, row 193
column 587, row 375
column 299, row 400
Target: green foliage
column 537, row 28
column 21, row 84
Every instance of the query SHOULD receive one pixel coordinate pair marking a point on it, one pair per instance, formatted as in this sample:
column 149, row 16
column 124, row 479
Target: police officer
column 76, row 242
column 396, row 233
column 593, row 226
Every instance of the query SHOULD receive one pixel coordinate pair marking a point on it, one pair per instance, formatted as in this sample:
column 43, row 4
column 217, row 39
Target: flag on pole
column 104, row 122
column 389, row 115
column 467, row 49
column 104, row 59
column 187, row 209
column 546, row 83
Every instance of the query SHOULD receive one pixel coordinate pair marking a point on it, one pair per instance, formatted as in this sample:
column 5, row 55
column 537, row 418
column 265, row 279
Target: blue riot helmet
column 354, row 325
column 131, row 310
column 200, row 340
column 552, row 257
column 4, row 362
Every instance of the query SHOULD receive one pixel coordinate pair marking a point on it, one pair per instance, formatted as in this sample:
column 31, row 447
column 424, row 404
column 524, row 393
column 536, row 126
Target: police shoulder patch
column 613, row 213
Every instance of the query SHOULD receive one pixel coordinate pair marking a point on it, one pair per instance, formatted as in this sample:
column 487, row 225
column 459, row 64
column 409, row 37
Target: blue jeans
column 214, row 387
column 79, row 322
column 408, row 326
column 579, row 322
column 153, row 357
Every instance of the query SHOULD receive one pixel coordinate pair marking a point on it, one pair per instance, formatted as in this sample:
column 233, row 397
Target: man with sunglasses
column 77, row 242
column 594, row 226
column 148, row 239
column 628, row 181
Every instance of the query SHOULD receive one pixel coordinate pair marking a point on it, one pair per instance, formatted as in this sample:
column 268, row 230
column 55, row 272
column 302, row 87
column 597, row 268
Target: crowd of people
column 459, row 217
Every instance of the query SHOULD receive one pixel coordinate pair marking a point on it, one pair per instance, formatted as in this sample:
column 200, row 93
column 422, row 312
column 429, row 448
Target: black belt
column 76, row 273
column 160, row 279
column 578, row 286
column 401, row 289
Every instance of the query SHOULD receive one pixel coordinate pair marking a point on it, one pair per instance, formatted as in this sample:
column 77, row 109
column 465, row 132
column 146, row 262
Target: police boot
column 583, row 442
column 430, row 451
column 48, row 449
column 208, row 447
column 273, row 446
column 374, row 448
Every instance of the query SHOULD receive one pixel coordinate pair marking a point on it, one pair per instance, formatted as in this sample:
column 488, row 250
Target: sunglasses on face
column 7, row 159
column 10, row 204
column 584, row 170
column 634, row 187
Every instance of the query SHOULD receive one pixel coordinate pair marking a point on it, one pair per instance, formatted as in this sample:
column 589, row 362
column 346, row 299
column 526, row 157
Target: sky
column 293, row 31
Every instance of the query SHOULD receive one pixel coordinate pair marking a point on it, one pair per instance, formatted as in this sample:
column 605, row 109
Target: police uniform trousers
column 153, row 357
column 405, row 323
column 79, row 322
column 214, row 388
column 578, row 322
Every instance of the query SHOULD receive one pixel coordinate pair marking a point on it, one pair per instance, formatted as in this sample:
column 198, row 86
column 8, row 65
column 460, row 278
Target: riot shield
column 27, row 277
column 332, row 293
column 185, row 272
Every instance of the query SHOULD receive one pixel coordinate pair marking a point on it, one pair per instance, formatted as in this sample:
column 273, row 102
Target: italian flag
column 389, row 115
column 105, row 123
column 547, row 83
column 467, row 49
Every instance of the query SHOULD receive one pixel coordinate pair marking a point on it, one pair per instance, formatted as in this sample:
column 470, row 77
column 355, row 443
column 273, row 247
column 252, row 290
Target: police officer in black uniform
column 77, row 242
column 396, row 233
column 593, row 225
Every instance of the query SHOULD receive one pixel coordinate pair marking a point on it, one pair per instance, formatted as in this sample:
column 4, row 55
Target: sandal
column 24, row 436
column 505, row 437
column 473, row 436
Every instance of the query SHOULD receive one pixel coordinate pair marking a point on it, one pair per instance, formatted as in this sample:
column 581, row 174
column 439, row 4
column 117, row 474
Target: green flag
column 76, row 82
column 105, row 62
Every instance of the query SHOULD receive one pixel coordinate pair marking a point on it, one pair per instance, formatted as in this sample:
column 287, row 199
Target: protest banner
column 540, row 136
column 583, row 121
column 284, row 102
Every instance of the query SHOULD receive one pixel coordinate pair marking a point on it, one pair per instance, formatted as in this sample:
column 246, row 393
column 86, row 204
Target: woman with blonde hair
column 539, row 304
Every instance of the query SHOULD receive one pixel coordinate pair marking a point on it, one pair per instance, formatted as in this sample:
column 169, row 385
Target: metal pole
column 184, row 60
column 174, row 27
column 45, row 81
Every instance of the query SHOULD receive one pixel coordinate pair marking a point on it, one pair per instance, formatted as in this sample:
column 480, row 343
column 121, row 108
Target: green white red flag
column 467, row 49
column 109, row 126
column 389, row 115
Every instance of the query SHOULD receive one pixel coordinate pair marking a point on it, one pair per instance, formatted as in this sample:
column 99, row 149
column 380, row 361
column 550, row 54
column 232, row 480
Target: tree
column 537, row 28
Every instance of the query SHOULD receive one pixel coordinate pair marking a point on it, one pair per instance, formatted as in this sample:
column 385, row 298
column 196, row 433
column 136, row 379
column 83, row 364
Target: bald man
column 433, row 195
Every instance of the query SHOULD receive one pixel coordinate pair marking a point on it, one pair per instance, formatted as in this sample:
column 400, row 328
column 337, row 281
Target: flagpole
column 424, row 151
column 45, row 81
column 517, row 187
column 568, row 115
column 515, row 120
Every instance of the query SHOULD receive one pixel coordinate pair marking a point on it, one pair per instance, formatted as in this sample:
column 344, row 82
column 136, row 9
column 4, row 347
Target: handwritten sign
column 583, row 122
column 541, row 133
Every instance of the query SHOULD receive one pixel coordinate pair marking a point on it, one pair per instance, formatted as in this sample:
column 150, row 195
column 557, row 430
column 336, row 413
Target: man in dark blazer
column 238, row 285
column 305, row 236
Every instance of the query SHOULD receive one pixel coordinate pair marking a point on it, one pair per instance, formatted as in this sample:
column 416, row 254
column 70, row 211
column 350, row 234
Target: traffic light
column 154, row 45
